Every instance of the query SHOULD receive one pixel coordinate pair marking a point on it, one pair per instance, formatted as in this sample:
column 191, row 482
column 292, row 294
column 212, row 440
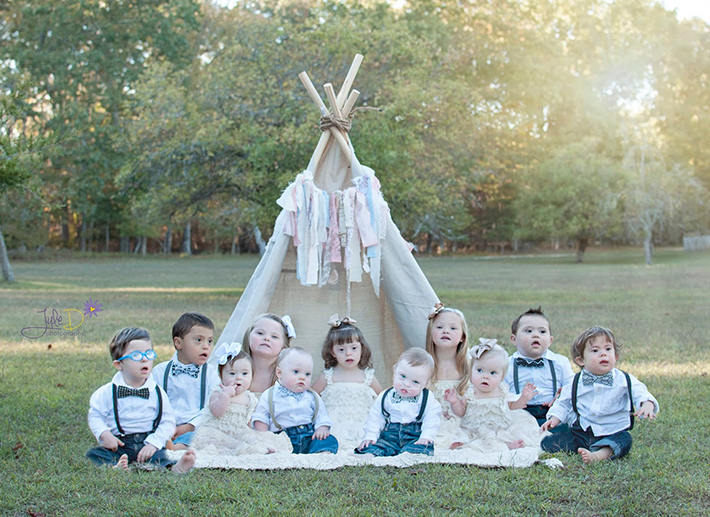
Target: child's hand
column 109, row 441
column 529, row 391
column 551, row 423
column 451, row 396
column 321, row 433
column 182, row 429
column 229, row 390
column 557, row 395
column 646, row 410
column 365, row 443
column 423, row 441
column 146, row 453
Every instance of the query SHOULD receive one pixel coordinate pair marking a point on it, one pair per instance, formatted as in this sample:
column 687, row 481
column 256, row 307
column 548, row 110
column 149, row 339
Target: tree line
column 174, row 125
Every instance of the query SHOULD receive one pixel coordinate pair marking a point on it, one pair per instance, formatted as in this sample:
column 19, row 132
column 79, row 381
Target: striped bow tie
column 589, row 378
column 125, row 391
column 190, row 369
column 532, row 363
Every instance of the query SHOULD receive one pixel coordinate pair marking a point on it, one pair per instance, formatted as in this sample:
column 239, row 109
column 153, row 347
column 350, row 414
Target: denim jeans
column 303, row 442
column 185, row 438
column 577, row 437
column 133, row 443
column 398, row 438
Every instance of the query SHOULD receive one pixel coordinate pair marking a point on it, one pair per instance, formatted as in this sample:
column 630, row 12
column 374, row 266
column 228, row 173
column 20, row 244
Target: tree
column 572, row 195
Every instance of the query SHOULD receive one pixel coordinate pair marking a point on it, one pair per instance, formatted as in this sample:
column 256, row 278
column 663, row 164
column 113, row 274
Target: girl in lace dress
column 225, row 429
column 348, row 385
column 447, row 342
column 488, row 423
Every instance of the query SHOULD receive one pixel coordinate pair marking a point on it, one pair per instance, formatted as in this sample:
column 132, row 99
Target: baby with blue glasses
column 131, row 416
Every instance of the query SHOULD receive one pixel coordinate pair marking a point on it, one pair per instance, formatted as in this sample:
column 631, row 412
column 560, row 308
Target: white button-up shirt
column 604, row 408
column 291, row 409
column 135, row 414
column 403, row 412
column 540, row 376
column 184, row 390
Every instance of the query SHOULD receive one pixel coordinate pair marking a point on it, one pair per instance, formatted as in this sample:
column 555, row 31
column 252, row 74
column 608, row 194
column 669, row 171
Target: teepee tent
column 335, row 249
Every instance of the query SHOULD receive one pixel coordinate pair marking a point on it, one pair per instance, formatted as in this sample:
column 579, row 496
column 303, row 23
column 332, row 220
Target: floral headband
column 438, row 307
column 335, row 321
column 485, row 345
column 290, row 329
column 225, row 352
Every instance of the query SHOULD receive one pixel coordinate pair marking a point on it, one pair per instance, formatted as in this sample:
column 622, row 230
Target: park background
column 144, row 145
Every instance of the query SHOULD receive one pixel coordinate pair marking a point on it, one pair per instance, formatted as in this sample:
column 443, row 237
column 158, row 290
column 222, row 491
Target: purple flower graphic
column 92, row 308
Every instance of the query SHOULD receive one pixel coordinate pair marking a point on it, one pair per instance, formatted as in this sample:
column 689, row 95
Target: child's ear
column 579, row 361
column 278, row 372
column 512, row 338
column 118, row 365
column 177, row 343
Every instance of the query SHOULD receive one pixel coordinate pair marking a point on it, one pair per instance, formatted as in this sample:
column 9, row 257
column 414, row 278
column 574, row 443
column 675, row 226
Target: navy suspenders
column 156, row 422
column 575, row 382
column 516, row 383
column 386, row 414
column 203, row 381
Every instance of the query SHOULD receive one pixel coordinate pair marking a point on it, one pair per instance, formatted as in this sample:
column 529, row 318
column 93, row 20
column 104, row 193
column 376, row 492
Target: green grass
column 658, row 312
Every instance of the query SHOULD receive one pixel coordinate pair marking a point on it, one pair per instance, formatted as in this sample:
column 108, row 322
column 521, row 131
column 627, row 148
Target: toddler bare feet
column 122, row 463
column 517, row 444
column 592, row 457
column 185, row 464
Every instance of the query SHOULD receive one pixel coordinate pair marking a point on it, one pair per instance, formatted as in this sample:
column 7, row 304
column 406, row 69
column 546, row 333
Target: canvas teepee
column 335, row 249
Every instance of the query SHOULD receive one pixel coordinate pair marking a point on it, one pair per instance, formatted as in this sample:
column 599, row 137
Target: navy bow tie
column 397, row 398
column 125, row 391
column 531, row 363
column 190, row 369
column 589, row 378
column 285, row 392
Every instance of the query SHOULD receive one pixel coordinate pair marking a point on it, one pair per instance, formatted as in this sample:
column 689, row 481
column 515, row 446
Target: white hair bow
column 290, row 329
column 225, row 352
column 484, row 346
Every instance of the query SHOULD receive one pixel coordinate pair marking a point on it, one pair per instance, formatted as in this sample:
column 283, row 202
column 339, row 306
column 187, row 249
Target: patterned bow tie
column 589, row 378
column 397, row 398
column 285, row 392
column 190, row 369
column 531, row 363
column 125, row 391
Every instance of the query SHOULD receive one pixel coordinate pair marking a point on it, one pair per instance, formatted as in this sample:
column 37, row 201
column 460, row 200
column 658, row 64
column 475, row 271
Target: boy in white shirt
column 599, row 403
column 131, row 416
column 534, row 364
column 187, row 378
column 293, row 407
column 404, row 418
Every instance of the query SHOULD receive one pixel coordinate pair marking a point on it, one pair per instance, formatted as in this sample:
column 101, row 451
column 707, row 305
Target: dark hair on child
column 341, row 335
column 530, row 312
column 188, row 320
column 120, row 340
column 580, row 342
column 234, row 359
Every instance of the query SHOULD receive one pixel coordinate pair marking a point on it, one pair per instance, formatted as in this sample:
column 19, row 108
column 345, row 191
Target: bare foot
column 122, row 463
column 592, row 457
column 456, row 445
column 517, row 444
column 180, row 447
column 185, row 464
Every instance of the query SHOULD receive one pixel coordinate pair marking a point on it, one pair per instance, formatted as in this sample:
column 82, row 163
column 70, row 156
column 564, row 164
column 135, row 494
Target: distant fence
column 696, row 243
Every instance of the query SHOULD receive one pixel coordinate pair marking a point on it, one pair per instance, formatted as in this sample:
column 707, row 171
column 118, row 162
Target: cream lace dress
column 450, row 424
column 490, row 425
column 231, row 435
column 348, row 404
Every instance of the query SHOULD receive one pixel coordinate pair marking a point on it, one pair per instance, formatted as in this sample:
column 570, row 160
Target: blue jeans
column 398, row 438
column 185, row 438
column 133, row 444
column 302, row 440
column 576, row 437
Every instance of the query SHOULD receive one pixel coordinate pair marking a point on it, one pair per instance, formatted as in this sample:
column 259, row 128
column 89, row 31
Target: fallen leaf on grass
column 17, row 446
column 34, row 513
column 60, row 385
column 49, row 346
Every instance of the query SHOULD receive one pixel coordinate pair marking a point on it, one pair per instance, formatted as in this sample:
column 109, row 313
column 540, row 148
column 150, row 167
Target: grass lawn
column 659, row 313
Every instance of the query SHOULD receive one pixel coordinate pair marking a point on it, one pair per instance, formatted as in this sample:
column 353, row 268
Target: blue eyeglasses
column 137, row 355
